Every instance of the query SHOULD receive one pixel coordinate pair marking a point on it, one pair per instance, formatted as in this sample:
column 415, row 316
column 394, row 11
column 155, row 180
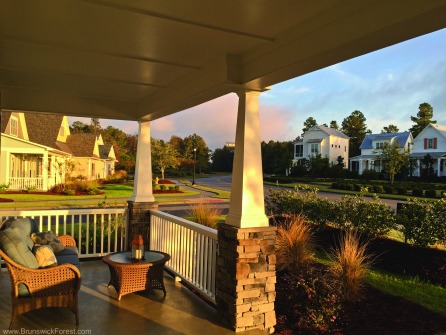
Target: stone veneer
column 139, row 220
column 246, row 277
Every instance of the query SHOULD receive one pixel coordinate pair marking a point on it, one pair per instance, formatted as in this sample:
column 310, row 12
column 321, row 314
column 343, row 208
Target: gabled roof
column 44, row 128
column 441, row 130
column 5, row 116
column 104, row 151
column 401, row 138
column 82, row 145
column 329, row 131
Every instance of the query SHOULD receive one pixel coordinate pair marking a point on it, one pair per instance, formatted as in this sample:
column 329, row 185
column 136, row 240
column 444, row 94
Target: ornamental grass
column 294, row 244
column 350, row 263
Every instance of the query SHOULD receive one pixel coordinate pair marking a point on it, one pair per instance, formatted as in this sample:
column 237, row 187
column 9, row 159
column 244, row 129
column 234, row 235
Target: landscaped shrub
column 372, row 218
column 401, row 190
column 163, row 187
column 312, row 299
column 316, row 209
column 4, row 188
column 294, row 244
column 378, row 189
column 350, row 263
column 423, row 222
column 388, row 189
column 335, row 185
column 69, row 192
column 369, row 174
column 349, row 187
column 417, row 192
column 176, row 188
column 430, row 193
column 357, row 187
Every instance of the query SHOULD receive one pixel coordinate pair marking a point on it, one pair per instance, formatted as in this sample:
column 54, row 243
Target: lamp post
column 195, row 159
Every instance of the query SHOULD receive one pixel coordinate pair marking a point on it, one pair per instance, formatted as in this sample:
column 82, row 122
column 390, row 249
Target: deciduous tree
column 394, row 158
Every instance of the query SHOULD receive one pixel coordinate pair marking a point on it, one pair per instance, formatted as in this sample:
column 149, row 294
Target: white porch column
column 418, row 168
column 439, row 167
column 360, row 168
column 45, row 171
column 247, row 207
column 142, row 187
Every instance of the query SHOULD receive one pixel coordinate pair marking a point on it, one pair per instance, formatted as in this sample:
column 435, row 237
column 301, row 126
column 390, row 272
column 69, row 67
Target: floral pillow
column 45, row 256
column 48, row 238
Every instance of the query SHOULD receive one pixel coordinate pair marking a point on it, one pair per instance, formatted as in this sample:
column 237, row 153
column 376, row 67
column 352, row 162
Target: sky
column 387, row 86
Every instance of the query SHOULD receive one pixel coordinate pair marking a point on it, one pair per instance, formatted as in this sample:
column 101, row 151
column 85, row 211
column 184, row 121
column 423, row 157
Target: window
column 299, row 150
column 379, row 145
column 62, row 131
column 14, row 126
column 430, row 143
column 314, row 148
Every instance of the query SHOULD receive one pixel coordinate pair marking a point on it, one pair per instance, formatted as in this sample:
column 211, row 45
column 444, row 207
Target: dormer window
column 14, row 126
column 379, row 145
column 430, row 143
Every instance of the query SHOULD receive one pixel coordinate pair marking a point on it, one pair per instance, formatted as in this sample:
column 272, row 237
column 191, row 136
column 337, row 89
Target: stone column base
column 246, row 277
column 139, row 220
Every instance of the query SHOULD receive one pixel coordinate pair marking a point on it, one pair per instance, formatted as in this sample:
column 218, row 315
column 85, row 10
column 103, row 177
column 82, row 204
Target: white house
column 328, row 142
column 369, row 158
column 36, row 148
column 431, row 141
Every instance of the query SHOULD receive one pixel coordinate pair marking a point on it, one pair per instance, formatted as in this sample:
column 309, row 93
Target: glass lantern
column 138, row 248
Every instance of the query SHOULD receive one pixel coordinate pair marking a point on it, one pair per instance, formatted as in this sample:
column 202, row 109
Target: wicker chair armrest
column 67, row 240
column 43, row 282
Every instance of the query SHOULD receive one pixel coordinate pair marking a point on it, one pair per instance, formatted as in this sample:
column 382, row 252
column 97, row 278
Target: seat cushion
column 48, row 238
column 68, row 256
column 45, row 256
column 12, row 243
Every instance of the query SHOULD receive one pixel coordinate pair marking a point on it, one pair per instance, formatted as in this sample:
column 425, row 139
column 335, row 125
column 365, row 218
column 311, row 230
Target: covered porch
column 179, row 312
column 142, row 61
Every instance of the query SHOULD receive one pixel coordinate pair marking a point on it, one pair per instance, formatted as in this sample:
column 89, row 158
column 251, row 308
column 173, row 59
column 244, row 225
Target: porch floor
column 179, row 312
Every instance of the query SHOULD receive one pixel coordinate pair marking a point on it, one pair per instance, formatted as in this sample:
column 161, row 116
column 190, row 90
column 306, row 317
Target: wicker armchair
column 50, row 287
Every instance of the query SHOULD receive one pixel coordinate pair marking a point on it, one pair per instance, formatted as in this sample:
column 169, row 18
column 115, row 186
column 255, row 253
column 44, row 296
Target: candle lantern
column 137, row 247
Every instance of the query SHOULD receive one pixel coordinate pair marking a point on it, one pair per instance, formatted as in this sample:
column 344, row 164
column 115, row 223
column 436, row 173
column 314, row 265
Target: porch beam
column 247, row 206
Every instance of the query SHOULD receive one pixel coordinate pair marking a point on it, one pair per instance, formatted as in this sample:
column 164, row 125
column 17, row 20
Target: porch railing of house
column 193, row 250
column 20, row 183
column 97, row 231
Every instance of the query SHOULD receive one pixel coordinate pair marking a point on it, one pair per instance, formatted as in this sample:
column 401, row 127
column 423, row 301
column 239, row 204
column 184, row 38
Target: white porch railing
column 97, row 231
column 192, row 247
column 20, row 183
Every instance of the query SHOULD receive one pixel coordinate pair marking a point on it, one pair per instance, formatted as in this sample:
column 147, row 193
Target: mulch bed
column 377, row 312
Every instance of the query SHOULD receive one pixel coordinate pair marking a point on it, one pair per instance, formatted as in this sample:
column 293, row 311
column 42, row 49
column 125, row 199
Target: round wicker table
column 128, row 275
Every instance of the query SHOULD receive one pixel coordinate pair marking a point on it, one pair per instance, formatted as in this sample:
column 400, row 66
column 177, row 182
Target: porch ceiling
column 137, row 59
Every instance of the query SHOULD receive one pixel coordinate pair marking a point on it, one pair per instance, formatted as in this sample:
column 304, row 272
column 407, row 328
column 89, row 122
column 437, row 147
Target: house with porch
column 370, row 150
column 430, row 141
column 39, row 152
column 328, row 142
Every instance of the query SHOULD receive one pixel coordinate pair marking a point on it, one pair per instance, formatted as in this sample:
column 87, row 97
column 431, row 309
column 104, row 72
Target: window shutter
column 435, row 143
column 425, row 143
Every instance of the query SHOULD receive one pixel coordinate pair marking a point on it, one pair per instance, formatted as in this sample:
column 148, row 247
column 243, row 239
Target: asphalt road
column 224, row 183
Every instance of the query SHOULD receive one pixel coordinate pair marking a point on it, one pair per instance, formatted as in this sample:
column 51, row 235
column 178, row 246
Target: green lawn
column 219, row 194
column 115, row 194
column 432, row 297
